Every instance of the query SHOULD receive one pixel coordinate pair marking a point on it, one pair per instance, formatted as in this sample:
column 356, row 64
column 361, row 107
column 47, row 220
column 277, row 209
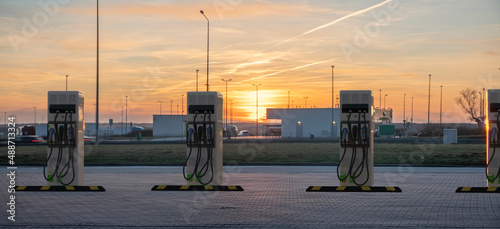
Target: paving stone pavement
column 274, row 197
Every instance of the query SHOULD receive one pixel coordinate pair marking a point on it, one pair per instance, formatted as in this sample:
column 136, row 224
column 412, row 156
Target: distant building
column 304, row 122
column 169, row 125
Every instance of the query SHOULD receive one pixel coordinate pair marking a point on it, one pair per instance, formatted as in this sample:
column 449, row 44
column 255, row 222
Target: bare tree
column 468, row 101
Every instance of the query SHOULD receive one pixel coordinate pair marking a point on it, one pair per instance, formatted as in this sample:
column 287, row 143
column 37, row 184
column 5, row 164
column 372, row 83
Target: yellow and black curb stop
column 479, row 189
column 62, row 188
column 352, row 189
column 197, row 188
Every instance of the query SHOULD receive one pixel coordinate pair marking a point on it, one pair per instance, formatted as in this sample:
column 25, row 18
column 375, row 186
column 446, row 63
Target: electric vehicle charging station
column 492, row 169
column 492, row 144
column 64, row 167
column 203, row 165
column 355, row 167
column 65, row 153
column 202, row 168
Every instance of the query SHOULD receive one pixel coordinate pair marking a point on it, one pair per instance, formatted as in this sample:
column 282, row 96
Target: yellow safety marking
column 161, row 187
column 365, row 188
column 45, row 188
column 209, row 187
column 20, row 188
column 71, row 188
column 94, row 188
column 184, row 187
column 341, row 188
column 316, row 188
column 466, row 189
column 491, row 189
column 392, row 189
column 232, row 187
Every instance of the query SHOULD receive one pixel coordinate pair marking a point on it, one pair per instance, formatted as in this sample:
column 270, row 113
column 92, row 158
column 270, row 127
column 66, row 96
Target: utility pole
column 380, row 98
column 257, row 108
column 441, row 107
column 429, row 103
column 126, row 114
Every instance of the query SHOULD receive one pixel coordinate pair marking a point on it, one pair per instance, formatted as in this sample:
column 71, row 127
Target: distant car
column 29, row 139
column 87, row 138
column 244, row 133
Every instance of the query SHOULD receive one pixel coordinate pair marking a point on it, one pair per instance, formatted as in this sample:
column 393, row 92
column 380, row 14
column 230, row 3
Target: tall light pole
column 161, row 101
column 441, row 106
column 404, row 108
column 67, row 82
column 305, row 97
column 333, row 101
column 231, row 114
column 97, row 82
column 171, row 109
column 197, row 70
column 177, row 112
column 380, row 98
column 5, row 117
column 412, row 109
column 257, row 108
column 35, row 115
column 182, row 105
column 429, row 103
column 208, row 41
column 384, row 99
column 126, row 114
column 484, row 102
column 122, row 120
column 226, row 104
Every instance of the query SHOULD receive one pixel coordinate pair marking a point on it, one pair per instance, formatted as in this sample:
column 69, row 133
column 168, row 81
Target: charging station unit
column 202, row 168
column 492, row 147
column 64, row 167
column 355, row 168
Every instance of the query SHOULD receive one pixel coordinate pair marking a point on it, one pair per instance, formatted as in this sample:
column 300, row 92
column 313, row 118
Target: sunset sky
column 150, row 50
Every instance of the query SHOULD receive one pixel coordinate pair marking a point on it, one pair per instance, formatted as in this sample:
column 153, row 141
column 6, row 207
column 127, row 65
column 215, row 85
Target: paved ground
column 274, row 196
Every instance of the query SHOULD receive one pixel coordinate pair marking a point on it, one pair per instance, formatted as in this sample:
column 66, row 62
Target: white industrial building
column 304, row 122
column 169, row 125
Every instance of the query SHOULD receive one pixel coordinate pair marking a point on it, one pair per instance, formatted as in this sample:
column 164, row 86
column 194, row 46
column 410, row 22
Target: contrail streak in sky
column 336, row 21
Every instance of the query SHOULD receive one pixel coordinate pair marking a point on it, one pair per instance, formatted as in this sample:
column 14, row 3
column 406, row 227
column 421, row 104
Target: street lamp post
column 231, row 113
column 161, row 101
column 441, row 106
column 226, row 105
column 122, row 120
column 257, row 108
column 67, row 82
column 182, row 105
column 384, row 99
column 197, row 70
column 429, row 103
column 305, row 97
column 208, row 42
column 171, row 109
column 484, row 102
column 412, row 109
column 380, row 98
column 97, row 82
column 333, row 101
column 404, row 108
column 35, row 114
column 126, row 114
